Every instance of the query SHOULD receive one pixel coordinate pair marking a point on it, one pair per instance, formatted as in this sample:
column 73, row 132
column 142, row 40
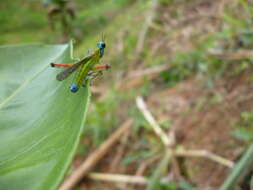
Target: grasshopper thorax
column 101, row 45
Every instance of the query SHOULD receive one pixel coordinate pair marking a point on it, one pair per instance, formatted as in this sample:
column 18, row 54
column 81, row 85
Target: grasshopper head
column 101, row 45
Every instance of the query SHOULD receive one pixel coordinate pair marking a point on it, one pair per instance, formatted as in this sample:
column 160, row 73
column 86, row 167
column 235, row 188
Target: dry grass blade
column 138, row 77
column 205, row 154
column 148, row 116
column 118, row 178
column 149, row 71
column 240, row 54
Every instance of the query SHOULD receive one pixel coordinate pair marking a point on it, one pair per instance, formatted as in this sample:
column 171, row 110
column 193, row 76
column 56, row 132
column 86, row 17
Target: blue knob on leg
column 73, row 88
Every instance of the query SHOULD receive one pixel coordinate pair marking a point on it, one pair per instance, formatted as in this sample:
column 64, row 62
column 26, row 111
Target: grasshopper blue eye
column 101, row 45
column 73, row 88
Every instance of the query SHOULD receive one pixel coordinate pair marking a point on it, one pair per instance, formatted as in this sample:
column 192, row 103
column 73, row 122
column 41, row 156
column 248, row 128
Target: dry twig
column 168, row 141
column 138, row 77
column 92, row 160
column 119, row 178
column 140, row 180
column 148, row 116
column 240, row 54
column 149, row 71
column 205, row 154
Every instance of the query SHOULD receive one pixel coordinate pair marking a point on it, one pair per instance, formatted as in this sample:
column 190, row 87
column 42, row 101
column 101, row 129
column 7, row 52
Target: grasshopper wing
column 64, row 74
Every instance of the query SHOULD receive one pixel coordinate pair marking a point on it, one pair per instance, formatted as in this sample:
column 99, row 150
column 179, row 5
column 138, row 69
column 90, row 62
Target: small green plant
column 244, row 130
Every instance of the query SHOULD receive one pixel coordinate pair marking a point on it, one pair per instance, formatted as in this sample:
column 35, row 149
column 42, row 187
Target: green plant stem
column 245, row 163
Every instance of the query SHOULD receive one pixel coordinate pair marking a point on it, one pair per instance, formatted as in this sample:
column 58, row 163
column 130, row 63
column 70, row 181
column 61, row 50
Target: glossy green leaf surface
column 40, row 119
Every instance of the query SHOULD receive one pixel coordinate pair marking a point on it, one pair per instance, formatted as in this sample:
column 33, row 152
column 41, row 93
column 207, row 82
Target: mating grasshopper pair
column 88, row 68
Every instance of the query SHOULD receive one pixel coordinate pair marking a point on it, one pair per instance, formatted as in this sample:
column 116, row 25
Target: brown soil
column 204, row 119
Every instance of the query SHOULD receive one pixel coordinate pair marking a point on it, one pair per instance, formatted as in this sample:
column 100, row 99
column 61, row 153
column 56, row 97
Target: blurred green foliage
column 29, row 23
column 236, row 33
column 244, row 130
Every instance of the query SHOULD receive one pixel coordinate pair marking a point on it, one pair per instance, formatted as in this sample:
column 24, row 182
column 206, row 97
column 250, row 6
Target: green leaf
column 40, row 119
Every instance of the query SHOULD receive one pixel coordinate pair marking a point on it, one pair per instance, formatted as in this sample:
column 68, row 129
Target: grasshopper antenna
column 103, row 37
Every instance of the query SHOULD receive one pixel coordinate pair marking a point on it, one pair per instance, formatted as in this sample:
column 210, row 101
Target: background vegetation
column 191, row 63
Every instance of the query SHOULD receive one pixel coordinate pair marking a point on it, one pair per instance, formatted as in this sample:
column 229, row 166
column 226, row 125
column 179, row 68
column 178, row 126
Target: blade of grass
column 161, row 169
column 242, row 166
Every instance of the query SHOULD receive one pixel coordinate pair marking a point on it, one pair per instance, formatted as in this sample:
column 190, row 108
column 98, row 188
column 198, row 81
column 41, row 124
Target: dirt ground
column 209, row 123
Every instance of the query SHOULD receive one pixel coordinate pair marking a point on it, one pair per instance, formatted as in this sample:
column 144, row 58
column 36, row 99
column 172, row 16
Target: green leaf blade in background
column 40, row 119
